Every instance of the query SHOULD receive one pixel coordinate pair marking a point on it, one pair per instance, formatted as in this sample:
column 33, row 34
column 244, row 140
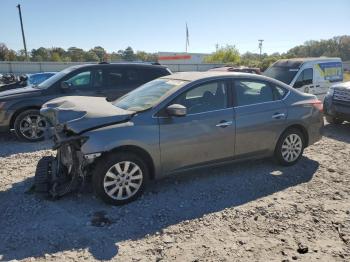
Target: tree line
column 75, row 54
column 338, row 46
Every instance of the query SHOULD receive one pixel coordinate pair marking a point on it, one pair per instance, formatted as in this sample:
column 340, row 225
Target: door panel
column 259, row 114
column 197, row 138
column 205, row 134
column 258, row 126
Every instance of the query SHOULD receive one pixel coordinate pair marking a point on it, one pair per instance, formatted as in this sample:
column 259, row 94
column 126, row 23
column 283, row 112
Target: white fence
column 35, row 67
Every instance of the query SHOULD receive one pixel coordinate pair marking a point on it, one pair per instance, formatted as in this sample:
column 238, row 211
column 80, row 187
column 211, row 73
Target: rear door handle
column 224, row 124
column 279, row 116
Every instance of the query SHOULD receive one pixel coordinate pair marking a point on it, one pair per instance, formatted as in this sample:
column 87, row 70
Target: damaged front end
column 65, row 172
column 70, row 118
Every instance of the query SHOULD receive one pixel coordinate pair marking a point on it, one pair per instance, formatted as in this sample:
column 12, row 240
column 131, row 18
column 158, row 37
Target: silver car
column 172, row 124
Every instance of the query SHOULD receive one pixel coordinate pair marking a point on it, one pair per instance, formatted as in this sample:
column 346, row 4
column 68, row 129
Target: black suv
column 19, row 108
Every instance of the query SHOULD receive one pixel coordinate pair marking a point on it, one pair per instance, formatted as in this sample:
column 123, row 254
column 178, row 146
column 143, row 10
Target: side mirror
column 176, row 110
column 65, row 85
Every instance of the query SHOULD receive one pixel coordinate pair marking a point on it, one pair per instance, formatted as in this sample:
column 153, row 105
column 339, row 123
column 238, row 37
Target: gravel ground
column 252, row 211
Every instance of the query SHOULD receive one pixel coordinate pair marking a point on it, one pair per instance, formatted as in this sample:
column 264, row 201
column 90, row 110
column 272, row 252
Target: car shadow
column 338, row 132
column 32, row 226
column 10, row 145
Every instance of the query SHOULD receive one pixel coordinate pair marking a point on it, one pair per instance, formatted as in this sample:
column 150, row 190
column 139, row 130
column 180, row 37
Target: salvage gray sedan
column 172, row 124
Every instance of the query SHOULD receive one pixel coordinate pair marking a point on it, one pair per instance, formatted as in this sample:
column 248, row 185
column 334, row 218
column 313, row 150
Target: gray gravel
column 251, row 211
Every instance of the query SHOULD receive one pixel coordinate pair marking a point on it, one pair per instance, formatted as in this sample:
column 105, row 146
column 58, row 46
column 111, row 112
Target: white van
column 309, row 75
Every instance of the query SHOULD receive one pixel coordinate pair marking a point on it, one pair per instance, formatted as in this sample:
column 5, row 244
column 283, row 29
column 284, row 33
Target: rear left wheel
column 290, row 147
column 120, row 178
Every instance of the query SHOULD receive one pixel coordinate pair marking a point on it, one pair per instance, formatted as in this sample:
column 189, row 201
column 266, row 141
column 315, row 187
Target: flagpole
column 186, row 39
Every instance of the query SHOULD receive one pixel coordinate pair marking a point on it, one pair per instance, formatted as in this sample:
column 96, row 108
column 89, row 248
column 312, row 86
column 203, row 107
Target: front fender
column 144, row 136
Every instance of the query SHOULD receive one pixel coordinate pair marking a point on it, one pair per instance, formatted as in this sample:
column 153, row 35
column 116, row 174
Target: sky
column 160, row 25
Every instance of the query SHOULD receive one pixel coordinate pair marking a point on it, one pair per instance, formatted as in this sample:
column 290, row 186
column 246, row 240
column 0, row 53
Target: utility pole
column 260, row 46
column 23, row 37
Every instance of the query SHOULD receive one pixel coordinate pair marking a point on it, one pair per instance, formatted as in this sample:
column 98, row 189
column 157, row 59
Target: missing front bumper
column 53, row 178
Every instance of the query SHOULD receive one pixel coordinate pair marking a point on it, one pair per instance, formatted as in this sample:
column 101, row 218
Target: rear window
column 150, row 74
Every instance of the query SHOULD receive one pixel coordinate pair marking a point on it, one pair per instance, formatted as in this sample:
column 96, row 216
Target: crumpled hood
column 17, row 91
column 80, row 113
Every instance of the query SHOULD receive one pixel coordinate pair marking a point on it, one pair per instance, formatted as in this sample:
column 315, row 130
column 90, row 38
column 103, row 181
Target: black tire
column 42, row 178
column 334, row 120
column 19, row 121
column 103, row 165
column 279, row 152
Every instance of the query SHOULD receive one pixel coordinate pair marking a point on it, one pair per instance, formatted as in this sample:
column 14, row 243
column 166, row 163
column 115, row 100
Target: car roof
column 135, row 64
column 193, row 76
column 297, row 62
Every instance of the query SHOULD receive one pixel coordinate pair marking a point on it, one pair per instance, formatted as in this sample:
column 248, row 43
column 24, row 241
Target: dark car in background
column 19, row 108
column 336, row 104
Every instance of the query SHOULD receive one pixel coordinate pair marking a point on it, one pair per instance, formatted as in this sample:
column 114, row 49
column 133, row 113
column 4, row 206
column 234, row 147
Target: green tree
column 4, row 52
column 146, row 57
column 91, row 56
column 76, row 54
column 128, row 54
column 100, row 52
column 55, row 57
column 40, row 54
column 226, row 55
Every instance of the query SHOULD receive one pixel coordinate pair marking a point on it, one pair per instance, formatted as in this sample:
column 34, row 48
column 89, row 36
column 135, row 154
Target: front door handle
column 224, row 124
column 279, row 116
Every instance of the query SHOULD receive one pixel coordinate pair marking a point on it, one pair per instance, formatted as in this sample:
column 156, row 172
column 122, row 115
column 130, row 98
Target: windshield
column 147, row 95
column 50, row 81
column 281, row 73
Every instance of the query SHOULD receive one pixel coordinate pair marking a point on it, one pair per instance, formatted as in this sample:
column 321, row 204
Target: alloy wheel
column 292, row 147
column 32, row 127
column 123, row 180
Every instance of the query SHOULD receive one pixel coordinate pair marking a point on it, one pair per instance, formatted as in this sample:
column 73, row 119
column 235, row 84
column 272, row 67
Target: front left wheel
column 30, row 126
column 120, row 178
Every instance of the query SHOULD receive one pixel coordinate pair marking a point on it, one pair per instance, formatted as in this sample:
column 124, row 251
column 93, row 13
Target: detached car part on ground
column 337, row 103
column 173, row 124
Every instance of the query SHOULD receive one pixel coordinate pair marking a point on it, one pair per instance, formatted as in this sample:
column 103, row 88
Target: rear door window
column 149, row 74
column 249, row 92
column 115, row 78
column 121, row 78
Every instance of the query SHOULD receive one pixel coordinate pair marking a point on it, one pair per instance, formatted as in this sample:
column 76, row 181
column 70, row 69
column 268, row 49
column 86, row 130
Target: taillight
column 317, row 104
